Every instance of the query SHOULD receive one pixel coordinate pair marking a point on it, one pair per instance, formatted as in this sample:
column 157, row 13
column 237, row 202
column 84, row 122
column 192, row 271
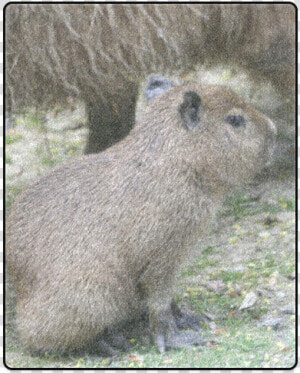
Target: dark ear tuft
column 189, row 110
column 156, row 85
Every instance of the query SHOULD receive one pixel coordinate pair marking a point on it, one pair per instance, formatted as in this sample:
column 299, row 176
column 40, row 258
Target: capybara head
column 226, row 140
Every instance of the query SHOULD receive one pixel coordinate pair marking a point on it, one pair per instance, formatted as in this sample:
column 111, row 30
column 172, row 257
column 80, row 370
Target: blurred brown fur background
column 100, row 53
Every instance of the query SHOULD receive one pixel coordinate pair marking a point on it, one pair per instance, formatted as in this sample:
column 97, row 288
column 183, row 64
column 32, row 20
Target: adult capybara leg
column 110, row 121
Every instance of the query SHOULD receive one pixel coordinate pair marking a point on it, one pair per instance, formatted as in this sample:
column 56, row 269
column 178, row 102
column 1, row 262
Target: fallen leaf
column 217, row 286
column 209, row 315
column 220, row 331
column 135, row 357
column 212, row 325
column 249, row 301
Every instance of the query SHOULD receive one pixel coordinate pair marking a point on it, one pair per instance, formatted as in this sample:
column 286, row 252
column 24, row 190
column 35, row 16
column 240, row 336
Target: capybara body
column 101, row 239
column 100, row 52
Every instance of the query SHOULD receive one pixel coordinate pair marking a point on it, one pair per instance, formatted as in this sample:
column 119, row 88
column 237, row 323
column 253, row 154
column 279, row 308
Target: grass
column 288, row 204
column 251, row 347
column 32, row 119
column 11, row 193
column 8, row 160
column 240, row 205
column 231, row 276
column 12, row 137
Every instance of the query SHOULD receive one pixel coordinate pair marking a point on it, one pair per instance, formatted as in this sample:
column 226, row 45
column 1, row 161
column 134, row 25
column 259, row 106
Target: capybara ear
column 189, row 110
column 156, row 85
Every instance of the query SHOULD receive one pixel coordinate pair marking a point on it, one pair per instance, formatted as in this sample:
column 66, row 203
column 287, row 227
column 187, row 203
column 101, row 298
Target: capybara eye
column 235, row 120
column 155, row 84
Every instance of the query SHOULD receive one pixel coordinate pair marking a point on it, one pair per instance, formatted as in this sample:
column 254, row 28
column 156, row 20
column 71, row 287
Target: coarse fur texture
column 101, row 239
column 100, row 52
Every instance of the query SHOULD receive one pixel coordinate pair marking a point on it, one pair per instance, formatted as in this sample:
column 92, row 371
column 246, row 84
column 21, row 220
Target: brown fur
column 101, row 52
column 101, row 239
